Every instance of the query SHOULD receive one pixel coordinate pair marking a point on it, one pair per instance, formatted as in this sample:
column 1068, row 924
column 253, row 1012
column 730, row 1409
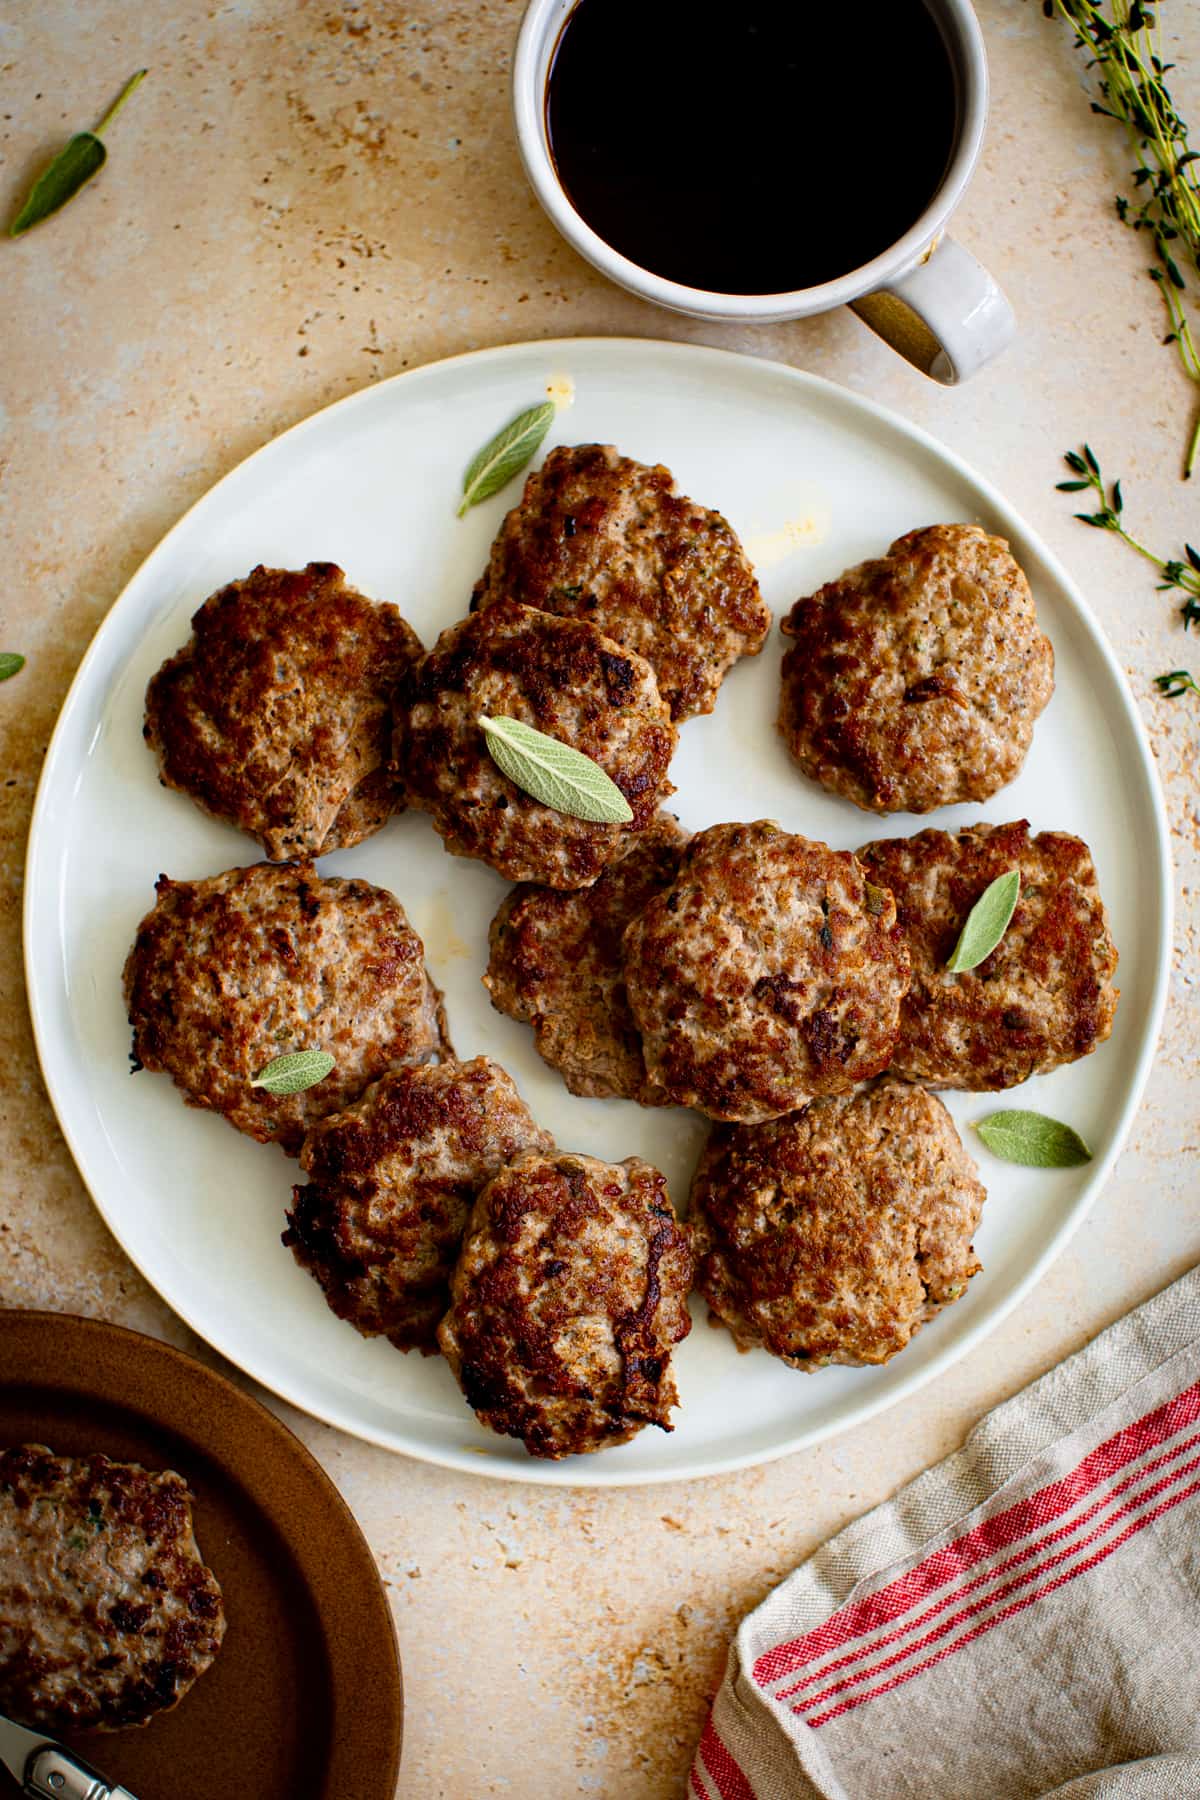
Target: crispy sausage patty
column 769, row 971
column 227, row 974
column 1045, row 995
column 598, row 536
column 564, row 678
column 569, row 1295
column 108, row 1613
column 914, row 681
column 832, row 1235
column 276, row 715
column 556, row 965
column 392, row 1182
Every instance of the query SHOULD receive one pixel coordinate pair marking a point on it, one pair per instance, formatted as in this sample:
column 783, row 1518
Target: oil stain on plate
column 806, row 516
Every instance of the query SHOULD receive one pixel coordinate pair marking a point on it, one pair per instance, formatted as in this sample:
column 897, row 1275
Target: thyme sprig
column 1178, row 575
column 1121, row 35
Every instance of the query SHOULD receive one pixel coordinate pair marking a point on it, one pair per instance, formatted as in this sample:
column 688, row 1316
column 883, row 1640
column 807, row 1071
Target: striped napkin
column 1022, row 1620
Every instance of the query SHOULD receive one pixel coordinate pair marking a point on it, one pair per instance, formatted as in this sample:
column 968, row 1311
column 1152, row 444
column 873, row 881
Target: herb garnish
column 81, row 158
column 1166, row 206
column 292, row 1073
column 504, row 455
column 1176, row 682
column 11, row 663
column 987, row 922
column 1033, row 1139
column 555, row 773
column 1177, row 575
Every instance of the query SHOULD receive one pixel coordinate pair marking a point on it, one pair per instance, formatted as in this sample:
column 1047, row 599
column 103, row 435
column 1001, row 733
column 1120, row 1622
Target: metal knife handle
column 55, row 1774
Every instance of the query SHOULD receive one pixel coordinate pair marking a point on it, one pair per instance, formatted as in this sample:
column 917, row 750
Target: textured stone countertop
column 307, row 196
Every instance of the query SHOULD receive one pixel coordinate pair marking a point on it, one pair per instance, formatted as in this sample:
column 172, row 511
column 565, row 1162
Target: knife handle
column 54, row 1774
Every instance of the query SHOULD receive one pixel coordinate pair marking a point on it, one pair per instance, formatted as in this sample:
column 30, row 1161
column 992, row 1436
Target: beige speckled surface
column 307, row 197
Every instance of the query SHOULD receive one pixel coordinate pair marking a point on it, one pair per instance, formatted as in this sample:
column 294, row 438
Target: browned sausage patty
column 915, row 681
column 831, row 1235
column 392, row 1182
column 276, row 715
column 561, row 676
column 556, row 965
column 1043, row 997
column 771, row 970
column 229, row 973
column 598, row 536
column 569, row 1295
column 108, row 1613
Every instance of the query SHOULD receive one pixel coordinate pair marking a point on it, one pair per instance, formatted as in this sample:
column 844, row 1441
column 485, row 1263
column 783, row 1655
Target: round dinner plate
column 813, row 478
column 285, row 1708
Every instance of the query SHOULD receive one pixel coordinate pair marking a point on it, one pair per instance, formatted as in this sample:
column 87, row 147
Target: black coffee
column 755, row 146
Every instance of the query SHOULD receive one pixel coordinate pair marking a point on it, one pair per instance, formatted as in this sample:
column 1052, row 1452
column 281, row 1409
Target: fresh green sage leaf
column 11, row 663
column 505, row 455
column 554, row 773
column 81, row 158
column 1033, row 1139
column 292, row 1073
column 987, row 922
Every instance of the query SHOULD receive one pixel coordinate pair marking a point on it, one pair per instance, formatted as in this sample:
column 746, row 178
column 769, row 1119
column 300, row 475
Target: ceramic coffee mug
column 926, row 295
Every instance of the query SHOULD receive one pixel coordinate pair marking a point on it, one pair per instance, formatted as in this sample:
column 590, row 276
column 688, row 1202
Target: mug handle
column 946, row 316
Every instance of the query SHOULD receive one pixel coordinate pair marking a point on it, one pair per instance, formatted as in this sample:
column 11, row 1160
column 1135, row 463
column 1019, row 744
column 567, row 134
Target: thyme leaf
column 1176, row 682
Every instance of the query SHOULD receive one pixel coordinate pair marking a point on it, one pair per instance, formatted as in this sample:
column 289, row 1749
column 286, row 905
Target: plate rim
column 142, row 1352
column 568, row 1473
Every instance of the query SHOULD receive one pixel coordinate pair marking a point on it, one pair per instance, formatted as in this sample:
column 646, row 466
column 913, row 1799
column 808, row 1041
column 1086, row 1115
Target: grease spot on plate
column 806, row 522
column 438, row 931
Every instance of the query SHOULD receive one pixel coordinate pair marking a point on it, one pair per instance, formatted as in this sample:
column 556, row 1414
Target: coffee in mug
column 754, row 148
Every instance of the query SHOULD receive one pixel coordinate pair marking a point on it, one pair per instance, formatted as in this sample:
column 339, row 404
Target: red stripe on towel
column 1138, row 1524
column 1063, row 1532
column 1001, row 1532
column 718, row 1762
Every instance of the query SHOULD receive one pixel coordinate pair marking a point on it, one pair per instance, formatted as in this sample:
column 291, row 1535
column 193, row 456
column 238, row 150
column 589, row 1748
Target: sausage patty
column 108, row 1613
column 769, row 971
column 831, row 1235
column 566, row 679
column 392, row 1182
column 569, row 1295
column 276, row 715
column 227, row 974
column 1043, row 997
column 598, row 536
column 556, row 965
column 915, row 681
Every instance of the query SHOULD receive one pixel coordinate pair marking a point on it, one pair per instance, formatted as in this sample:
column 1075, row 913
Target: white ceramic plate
column 813, row 478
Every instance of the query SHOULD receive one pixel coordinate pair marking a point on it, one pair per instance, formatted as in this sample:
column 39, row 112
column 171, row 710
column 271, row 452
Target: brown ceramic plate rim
column 126, row 1369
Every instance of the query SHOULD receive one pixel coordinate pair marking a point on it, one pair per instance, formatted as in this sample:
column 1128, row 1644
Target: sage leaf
column 292, row 1073
column 81, row 158
column 10, row 664
column 505, row 455
column 987, row 922
column 1033, row 1139
column 554, row 773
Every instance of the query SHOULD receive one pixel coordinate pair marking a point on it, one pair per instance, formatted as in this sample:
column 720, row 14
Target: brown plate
column 304, row 1698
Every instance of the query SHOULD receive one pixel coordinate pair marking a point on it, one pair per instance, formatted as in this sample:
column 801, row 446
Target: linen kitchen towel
column 1022, row 1620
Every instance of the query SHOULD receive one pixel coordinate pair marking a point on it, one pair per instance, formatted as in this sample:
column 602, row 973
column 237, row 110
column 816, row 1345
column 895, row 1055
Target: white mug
column 926, row 295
